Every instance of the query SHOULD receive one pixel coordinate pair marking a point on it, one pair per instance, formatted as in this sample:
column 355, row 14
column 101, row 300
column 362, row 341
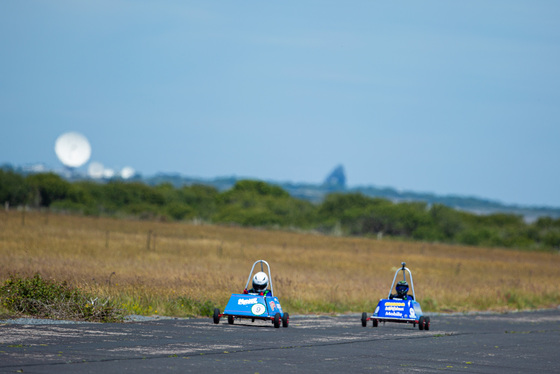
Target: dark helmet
column 402, row 288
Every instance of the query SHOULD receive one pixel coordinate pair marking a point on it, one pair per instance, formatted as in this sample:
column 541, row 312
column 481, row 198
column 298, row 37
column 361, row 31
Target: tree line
column 259, row 204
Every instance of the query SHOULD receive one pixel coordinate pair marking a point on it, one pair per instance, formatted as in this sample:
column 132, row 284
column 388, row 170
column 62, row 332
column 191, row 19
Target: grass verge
column 184, row 269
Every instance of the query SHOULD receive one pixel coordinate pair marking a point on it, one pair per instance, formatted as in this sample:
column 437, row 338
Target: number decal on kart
column 258, row 309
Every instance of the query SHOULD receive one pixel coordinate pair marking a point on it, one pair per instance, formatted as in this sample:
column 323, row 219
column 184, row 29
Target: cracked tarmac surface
column 477, row 343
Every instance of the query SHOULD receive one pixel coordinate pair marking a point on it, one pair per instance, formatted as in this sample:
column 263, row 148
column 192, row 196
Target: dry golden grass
column 311, row 273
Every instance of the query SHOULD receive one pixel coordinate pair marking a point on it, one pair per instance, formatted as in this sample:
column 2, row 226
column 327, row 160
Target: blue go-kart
column 399, row 309
column 254, row 306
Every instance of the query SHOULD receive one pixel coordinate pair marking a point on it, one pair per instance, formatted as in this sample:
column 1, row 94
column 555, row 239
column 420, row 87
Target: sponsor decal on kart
column 392, row 303
column 397, row 308
column 279, row 307
column 247, row 301
column 394, row 314
column 258, row 309
column 272, row 304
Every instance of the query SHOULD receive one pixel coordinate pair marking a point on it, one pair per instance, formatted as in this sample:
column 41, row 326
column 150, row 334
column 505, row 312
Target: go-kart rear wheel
column 230, row 320
column 421, row 323
column 375, row 322
column 216, row 315
column 285, row 319
column 427, row 323
column 364, row 319
column 277, row 319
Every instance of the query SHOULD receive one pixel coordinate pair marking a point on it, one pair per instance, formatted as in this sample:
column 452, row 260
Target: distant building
column 336, row 179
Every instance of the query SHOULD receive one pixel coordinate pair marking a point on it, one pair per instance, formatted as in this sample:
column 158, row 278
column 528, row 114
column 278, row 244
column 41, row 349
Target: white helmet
column 260, row 281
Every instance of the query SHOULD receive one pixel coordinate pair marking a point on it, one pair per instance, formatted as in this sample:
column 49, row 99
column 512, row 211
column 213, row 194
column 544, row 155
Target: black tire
column 230, row 320
column 375, row 322
column 216, row 316
column 427, row 323
column 285, row 320
column 277, row 319
column 421, row 323
column 364, row 319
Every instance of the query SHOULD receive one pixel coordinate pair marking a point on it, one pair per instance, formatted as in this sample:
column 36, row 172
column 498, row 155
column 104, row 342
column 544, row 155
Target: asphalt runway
column 524, row 342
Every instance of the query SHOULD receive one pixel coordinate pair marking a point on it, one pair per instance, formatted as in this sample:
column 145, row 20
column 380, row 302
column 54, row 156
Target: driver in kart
column 402, row 291
column 260, row 282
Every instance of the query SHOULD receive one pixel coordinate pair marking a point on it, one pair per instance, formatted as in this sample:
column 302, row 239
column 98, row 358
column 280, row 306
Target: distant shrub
column 71, row 207
column 14, row 189
column 179, row 211
column 39, row 297
column 47, row 188
column 260, row 204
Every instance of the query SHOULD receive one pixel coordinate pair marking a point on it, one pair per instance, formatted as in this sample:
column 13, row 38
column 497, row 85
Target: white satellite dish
column 108, row 173
column 127, row 172
column 72, row 149
column 95, row 170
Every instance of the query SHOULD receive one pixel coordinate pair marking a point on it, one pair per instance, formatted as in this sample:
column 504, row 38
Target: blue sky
column 446, row 97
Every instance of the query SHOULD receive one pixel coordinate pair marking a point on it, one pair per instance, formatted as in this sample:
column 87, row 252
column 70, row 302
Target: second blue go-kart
column 254, row 306
column 400, row 310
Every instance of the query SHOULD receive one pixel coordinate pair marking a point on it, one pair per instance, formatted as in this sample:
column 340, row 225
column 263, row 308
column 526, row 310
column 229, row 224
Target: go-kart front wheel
column 421, row 323
column 230, row 320
column 216, row 315
column 277, row 319
column 285, row 320
column 364, row 319
column 426, row 323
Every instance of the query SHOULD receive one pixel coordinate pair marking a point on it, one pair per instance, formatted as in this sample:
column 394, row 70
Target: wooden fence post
column 148, row 241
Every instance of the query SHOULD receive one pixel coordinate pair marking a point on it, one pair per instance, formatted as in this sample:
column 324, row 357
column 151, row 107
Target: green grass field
column 180, row 269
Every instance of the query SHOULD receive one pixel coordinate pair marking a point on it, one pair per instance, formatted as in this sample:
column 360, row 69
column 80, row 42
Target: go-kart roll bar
column 404, row 270
column 269, row 276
